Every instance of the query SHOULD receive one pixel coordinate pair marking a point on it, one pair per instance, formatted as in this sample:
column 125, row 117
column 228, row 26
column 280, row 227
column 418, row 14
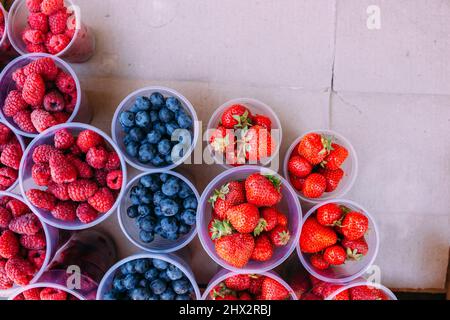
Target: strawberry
column 230, row 195
column 245, row 296
column 300, row 284
column 299, row 167
column 61, row 169
column 263, row 121
column 297, row 183
column 218, row 229
column 335, row 255
column 329, row 214
column 367, row 293
column 283, row 220
column 273, row 290
column 314, row 148
column 222, row 139
column 263, row 191
column 333, row 178
column 9, row 245
column 336, row 158
column 236, row 117
column 270, row 216
column 315, row 237
column 227, row 297
column 263, row 249
column 239, row 282
column 280, row 236
column 317, row 261
column 236, row 249
column 310, row 296
column 256, row 285
column 315, row 186
column 355, row 225
column 244, row 217
column 258, row 144
column 34, row 90
column 330, row 289
column 356, row 249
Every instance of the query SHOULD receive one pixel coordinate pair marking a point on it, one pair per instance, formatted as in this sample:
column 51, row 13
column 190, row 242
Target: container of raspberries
column 155, row 128
column 321, row 165
column 149, row 277
column 244, row 132
column 26, row 244
column 39, row 91
column 73, row 176
column 249, row 220
column 47, row 292
column 158, row 211
column 6, row 50
column 266, row 286
column 339, row 241
column 50, row 26
column 11, row 151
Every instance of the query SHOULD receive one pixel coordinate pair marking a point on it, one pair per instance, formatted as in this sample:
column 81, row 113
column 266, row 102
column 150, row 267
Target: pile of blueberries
column 150, row 279
column 149, row 126
column 163, row 205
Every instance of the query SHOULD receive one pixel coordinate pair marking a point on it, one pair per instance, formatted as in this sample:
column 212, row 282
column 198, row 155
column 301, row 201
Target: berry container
column 350, row 167
column 27, row 183
column 22, row 144
column 363, row 282
column 52, row 240
column 351, row 270
column 106, row 283
column 131, row 230
column 118, row 133
column 290, row 205
column 6, row 50
column 80, row 49
column 43, row 285
column 225, row 274
column 81, row 113
column 255, row 107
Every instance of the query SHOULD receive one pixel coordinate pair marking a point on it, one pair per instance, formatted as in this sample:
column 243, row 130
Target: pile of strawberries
column 243, row 138
column 334, row 235
column 81, row 176
column 249, row 287
column 45, row 294
column 45, row 96
column 48, row 29
column 246, row 224
column 315, row 165
column 22, row 243
column 10, row 156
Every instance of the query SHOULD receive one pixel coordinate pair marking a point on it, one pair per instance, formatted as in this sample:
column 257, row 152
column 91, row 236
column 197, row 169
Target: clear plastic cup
column 362, row 282
column 351, row 270
column 290, row 205
column 27, row 183
column 106, row 283
column 51, row 239
column 6, row 50
column 43, row 285
column 118, row 134
column 350, row 167
column 80, row 49
column 255, row 107
column 131, row 230
column 81, row 111
column 22, row 144
column 225, row 274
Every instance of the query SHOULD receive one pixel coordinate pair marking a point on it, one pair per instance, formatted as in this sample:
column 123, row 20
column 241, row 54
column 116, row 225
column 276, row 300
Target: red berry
column 71, row 100
column 51, row 6
column 32, row 294
column 238, row 283
column 114, row 180
column 86, row 213
column 82, row 190
column 37, row 258
column 20, row 271
column 299, row 167
column 42, row 153
column 17, row 208
column 42, row 120
column 14, row 103
column 57, row 43
column 60, row 191
column 52, row 294
column 9, row 245
column 23, row 120
column 318, row 262
column 113, row 162
column 5, row 134
column 315, row 186
column 97, row 157
column 280, row 236
column 7, row 177
column 355, row 225
column 100, row 177
column 41, row 174
column 41, row 199
column 270, row 215
column 54, row 101
column 84, row 170
column 33, row 242
column 102, row 201
column 38, row 21
column 88, row 139
column 45, row 67
column 283, row 220
column 19, row 78
column 61, row 117
column 5, row 218
column 34, row 5
column 63, row 139
column 263, row 121
column 11, row 156
column 333, row 178
column 65, row 211
column 356, row 249
column 335, row 255
column 61, row 169
column 329, row 214
column 28, row 224
column 65, row 83
column 36, row 48
column 33, row 36
column 58, row 21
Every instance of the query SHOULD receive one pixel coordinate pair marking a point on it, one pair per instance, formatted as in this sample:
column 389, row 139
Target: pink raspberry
column 34, row 5
column 45, row 67
column 36, row 48
column 7, row 177
column 64, row 139
column 19, row 297
column 28, row 224
column 37, row 258
column 11, row 156
column 41, row 199
column 33, row 36
column 33, row 242
column 42, row 120
column 19, row 78
column 97, row 157
column 34, row 90
column 38, row 21
column 54, row 101
column 14, row 103
column 114, row 180
column 113, row 161
column 20, row 271
column 17, row 208
column 89, row 139
column 41, row 174
column 9, row 245
column 100, row 177
column 5, row 218
column 5, row 134
column 60, row 191
column 61, row 169
column 65, row 83
column 82, row 190
column 65, row 211
column 61, row 117
column 51, row 6
column 86, row 213
column 58, row 21
column 23, row 120
column 51, row 294
column 84, row 170
column 102, row 201
column 57, row 43
column 71, row 101
column 42, row 153
column 32, row 294
column 5, row 281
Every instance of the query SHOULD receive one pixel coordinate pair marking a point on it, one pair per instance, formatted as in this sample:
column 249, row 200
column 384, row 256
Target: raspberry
column 53, row 294
column 33, row 36
column 33, row 242
column 82, row 190
column 88, row 139
column 97, row 157
column 86, row 213
column 58, row 21
column 42, row 120
column 63, row 139
column 17, row 208
column 114, row 180
column 65, row 83
column 102, row 201
column 41, row 174
column 14, row 103
column 7, row 177
column 57, row 43
column 19, row 78
column 34, row 90
column 45, row 67
column 34, row 5
column 11, row 156
column 5, row 281
column 71, row 101
column 65, row 211
column 83, row 169
column 9, row 245
column 5, row 218
column 23, row 120
column 36, row 48
column 61, row 169
column 60, row 191
column 100, row 177
column 113, row 161
column 42, row 153
column 37, row 258
column 70, row 32
column 19, row 297
column 41, row 199
column 32, row 294
column 28, row 224
column 51, row 6
column 38, row 21
column 54, row 101
column 20, row 271
column 5, row 134
column 61, row 117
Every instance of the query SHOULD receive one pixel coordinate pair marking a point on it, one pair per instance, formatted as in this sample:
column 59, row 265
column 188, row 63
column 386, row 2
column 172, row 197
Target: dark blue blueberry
column 169, row 159
column 127, row 119
column 158, row 212
column 142, row 104
column 135, row 200
column 127, row 139
column 153, row 297
column 171, row 236
column 160, row 264
column 158, row 161
column 164, row 147
column 164, row 177
column 169, row 225
column 152, row 274
column 132, row 149
column 137, row 134
column 157, row 197
column 168, row 295
column 169, row 207
column 146, row 181
column 171, row 187
column 146, row 198
column 185, row 190
column 158, row 286
column 131, row 281
column 171, row 127
column 183, row 297
column 190, row 203
column 163, row 276
column 184, row 229
column 160, row 127
column 146, row 237
column 142, row 265
column 118, row 285
column 184, row 120
column 132, row 212
column 151, row 182
column 153, row 116
column 138, row 190
column 144, row 283
column 157, row 100
column 174, row 273
column 181, row 286
column 158, row 229
column 143, row 119
column 165, row 115
column 110, row 296
column 173, row 104
column 189, row 217
column 128, row 268
column 154, row 137
column 148, row 224
column 144, row 210
column 146, row 153
column 140, row 294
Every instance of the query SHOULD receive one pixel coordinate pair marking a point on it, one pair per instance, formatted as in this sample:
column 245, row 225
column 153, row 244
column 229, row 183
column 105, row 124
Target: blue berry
column 146, row 153
column 164, row 177
column 154, row 137
column 160, row 127
column 184, row 120
column 168, row 158
column 110, row 296
column 188, row 217
column 118, row 285
column 171, row 127
column 135, row 200
column 146, row 181
column 158, row 286
column 128, row 268
column 140, row 294
column 181, row 286
column 190, row 203
column 153, row 116
column 158, row 212
column 169, row 207
column 127, row 119
column 137, row 134
column 144, row 210
column 144, row 283
column 152, row 274
column 146, row 198
column 183, row 297
column 164, row 147
column 132, row 212
column 158, row 161
column 142, row 265
column 131, row 281
column 185, row 190
column 160, row 264
column 142, row 119
column 171, row 187
column 157, row 100
column 163, row 276
column 146, row 237
column 138, row 190
column 132, row 149
column 158, row 229
column 165, row 115
column 168, row 295
column 173, row 104
column 158, row 196
column 184, row 229
column 171, row 236
column 169, row 225
column 174, row 273
column 142, row 104
column 147, row 224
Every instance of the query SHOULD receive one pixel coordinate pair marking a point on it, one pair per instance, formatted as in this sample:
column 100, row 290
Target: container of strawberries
column 339, row 241
column 321, row 165
column 73, row 176
column 249, row 219
column 11, row 151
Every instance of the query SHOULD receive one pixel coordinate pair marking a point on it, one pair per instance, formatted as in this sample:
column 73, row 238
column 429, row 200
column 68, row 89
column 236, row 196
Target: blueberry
column 132, row 149
column 158, row 161
column 184, row 120
column 181, row 286
column 158, row 196
column 132, row 212
column 154, row 137
column 148, row 224
column 168, row 158
column 153, row 116
column 183, row 297
column 127, row 139
column 184, row 229
column 158, row 286
column 188, row 217
column 171, row 127
column 185, row 191
column 171, row 187
column 144, row 283
column 142, row 265
column 146, row 153
column 143, row 119
column 164, row 147
column 131, row 281
column 157, row 100
column 137, row 134
column 174, row 273
column 168, row 295
column 159, row 230
column 118, row 285
column 165, row 115
column 169, row 207
column 160, row 264
column 127, row 119
column 163, row 276
column 171, row 236
column 146, row 198
column 164, row 177
column 160, row 127
column 140, row 294
column 173, row 104
column 135, row 200
column 152, row 274
column 158, row 212
column 142, row 104
column 169, row 225
column 190, row 203
column 151, row 182
column 110, row 296
column 138, row 190
column 146, row 237
column 144, row 210
column 146, row 181
column 128, row 268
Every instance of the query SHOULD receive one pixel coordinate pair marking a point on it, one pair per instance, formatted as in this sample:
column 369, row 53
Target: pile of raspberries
column 10, row 156
column 22, row 243
column 45, row 96
column 81, row 176
column 48, row 29
column 45, row 293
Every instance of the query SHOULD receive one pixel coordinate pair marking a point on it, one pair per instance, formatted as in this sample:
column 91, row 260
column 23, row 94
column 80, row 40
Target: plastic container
column 118, row 134
column 52, row 240
column 27, row 183
column 350, row 167
column 22, row 144
column 80, row 49
column 351, row 270
column 6, row 50
column 131, row 230
column 106, row 283
column 81, row 112
column 363, row 282
column 225, row 274
column 44, row 285
column 290, row 205
column 255, row 107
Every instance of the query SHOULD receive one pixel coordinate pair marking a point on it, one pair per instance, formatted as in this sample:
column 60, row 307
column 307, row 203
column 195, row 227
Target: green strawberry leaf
column 262, row 225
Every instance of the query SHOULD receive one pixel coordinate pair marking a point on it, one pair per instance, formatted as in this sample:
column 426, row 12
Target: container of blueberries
column 149, row 277
column 155, row 128
column 158, row 212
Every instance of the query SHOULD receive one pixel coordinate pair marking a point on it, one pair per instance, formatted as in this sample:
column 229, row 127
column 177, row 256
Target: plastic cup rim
column 47, row 285
column 362, row 283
